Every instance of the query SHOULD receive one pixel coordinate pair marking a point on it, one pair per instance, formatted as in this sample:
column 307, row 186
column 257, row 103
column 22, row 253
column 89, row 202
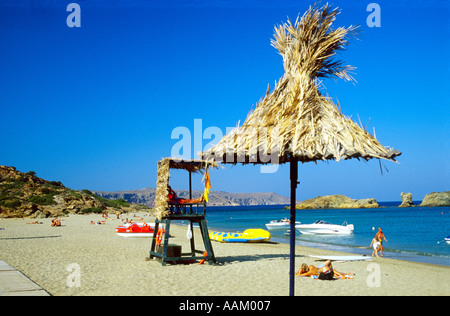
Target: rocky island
column 336, row 201
column 436, row 199
column 406, row 200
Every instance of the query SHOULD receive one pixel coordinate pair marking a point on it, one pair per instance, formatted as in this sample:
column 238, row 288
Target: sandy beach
column 111, row 265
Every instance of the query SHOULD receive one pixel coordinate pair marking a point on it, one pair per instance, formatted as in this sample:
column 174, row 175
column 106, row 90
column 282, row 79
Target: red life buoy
column 159, row 234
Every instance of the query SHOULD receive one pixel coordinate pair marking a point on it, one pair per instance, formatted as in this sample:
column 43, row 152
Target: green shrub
column 12, row 204
column 9, row 202
column 56, row 184
column 46, row 199
column 91, row 210
column 112, row 203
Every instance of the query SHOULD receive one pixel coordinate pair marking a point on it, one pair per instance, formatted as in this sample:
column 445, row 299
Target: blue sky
column 94, row 107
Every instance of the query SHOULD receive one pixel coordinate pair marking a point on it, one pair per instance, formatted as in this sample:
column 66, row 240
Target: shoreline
column 422, row 253
column 366, row 251
column 112, row 265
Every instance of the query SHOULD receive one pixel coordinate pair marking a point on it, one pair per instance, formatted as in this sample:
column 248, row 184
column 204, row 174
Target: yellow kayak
column 249, row 235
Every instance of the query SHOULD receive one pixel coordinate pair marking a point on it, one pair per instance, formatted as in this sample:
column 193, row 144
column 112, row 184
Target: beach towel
column 346, row 277
column 327, row 275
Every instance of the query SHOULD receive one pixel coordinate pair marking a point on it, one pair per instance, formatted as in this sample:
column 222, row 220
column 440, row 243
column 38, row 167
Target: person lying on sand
column 56, row 222
column 306, row 270
column 174, row 199
column 35, row 222
column 311, row 270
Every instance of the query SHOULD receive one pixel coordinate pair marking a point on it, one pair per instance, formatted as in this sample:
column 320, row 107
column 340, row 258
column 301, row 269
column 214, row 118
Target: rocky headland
column 27, row 195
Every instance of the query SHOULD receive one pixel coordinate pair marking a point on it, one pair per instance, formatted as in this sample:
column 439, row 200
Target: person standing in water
column 380, row 236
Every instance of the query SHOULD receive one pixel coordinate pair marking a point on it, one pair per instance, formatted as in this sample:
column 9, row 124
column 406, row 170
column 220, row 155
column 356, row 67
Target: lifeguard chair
column 166, row 212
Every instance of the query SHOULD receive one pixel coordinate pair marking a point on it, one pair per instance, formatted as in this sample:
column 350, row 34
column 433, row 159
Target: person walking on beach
column 376, row 246
column 380, row 236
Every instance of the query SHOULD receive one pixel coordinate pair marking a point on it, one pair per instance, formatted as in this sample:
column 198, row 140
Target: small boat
column 325, row 228
column 280, row 224
column 447, row 240
column 136, row 230
column 249, row 235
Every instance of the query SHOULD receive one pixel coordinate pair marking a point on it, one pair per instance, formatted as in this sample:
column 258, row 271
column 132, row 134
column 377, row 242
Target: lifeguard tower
column 167, row 211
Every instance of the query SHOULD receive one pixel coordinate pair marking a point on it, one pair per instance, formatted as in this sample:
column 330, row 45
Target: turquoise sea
column 414, row 233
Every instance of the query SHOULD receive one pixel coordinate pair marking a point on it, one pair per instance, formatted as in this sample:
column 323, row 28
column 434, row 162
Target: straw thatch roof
column 295, row 119
column 163, row 173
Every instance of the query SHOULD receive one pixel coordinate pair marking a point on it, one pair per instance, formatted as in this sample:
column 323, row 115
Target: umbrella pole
column 294, row 177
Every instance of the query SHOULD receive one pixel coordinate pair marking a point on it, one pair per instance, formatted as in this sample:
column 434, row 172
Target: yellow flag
column 207, row 185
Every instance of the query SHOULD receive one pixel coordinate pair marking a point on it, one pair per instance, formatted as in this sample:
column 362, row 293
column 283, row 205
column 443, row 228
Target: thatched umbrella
column 295, row 122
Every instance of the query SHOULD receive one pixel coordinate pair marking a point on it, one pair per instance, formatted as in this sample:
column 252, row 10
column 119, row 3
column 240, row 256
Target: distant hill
column 216, row 198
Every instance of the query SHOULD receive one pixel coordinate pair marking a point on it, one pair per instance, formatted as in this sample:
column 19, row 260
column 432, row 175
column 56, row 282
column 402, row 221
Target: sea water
column 412, row 233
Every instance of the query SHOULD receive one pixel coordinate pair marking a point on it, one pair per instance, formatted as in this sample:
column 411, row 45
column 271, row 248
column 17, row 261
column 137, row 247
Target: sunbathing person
column 56, row 222
column 173, row 198
column 306, row 270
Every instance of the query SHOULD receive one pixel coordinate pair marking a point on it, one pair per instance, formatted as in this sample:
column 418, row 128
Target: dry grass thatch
column 295, row 119
column 163, row 173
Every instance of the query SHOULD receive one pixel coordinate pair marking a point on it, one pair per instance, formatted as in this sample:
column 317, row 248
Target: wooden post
column 166, row 242
column 207, row 242
column 191, row 225
column 190, row 190
column 294, row 178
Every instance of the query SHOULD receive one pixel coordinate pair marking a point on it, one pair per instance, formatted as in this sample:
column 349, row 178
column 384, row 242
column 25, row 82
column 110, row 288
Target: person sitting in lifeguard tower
column 173, row 198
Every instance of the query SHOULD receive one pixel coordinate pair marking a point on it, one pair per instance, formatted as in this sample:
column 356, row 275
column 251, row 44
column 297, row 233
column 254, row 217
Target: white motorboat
column 280, row 224
column 447, row 240
column 325, row 228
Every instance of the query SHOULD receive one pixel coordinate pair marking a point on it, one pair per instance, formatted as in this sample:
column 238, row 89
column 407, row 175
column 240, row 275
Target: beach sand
column 113, row 265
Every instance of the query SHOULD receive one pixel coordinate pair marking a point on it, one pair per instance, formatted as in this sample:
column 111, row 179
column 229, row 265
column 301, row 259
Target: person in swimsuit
column 56, row 222
column 306, row 270
column 376, row 246
column 380, row 236
column 173, row 198
column 311, row 270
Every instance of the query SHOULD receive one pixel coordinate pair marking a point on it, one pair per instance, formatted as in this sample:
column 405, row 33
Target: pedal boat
column 136, row 230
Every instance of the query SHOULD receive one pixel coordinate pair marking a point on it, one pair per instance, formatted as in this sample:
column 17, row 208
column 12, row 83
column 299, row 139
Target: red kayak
column 136, row 230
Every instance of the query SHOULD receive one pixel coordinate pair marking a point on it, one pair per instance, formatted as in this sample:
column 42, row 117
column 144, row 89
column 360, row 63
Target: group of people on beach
column 377, row 243
column 326, row 272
